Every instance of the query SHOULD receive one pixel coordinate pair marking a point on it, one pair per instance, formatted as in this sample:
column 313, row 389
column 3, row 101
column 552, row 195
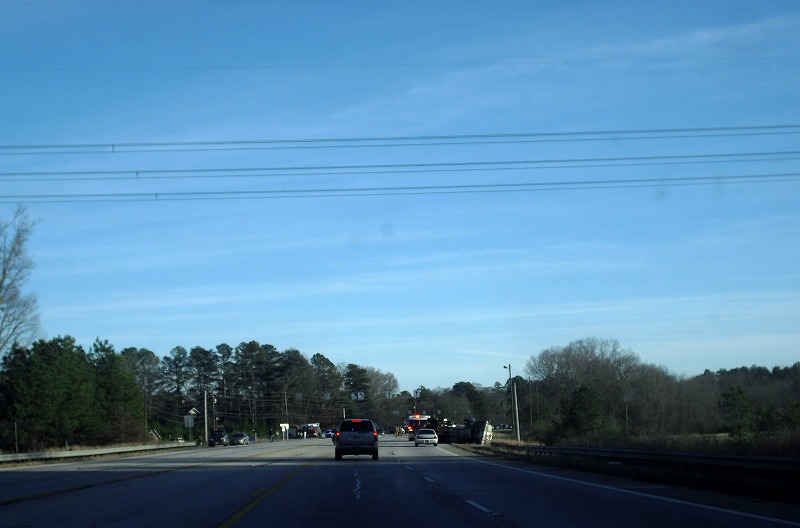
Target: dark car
column 356, row 436
column 218, row 438
column 240, row 439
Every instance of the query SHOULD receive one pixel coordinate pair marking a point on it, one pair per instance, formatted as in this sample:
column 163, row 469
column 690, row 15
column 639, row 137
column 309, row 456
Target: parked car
column 426, row 437
column 218, row 438
column 357, row 436
column 240, row 439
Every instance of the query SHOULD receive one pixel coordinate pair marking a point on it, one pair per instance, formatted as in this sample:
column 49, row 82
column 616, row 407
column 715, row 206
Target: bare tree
column 381, row 383
column 602, row 365
column 19, row 318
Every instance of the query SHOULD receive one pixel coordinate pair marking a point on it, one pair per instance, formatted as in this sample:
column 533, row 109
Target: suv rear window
column 356, row 426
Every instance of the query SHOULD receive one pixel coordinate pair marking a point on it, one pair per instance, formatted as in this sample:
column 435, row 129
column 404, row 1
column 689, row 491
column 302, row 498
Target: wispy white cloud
column 761, row 38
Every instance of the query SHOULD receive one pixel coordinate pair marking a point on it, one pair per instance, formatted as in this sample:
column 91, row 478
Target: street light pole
column 205, row 415
column 514, row 404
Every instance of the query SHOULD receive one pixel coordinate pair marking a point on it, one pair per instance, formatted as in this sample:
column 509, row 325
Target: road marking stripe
column 236, row 517
column 90, row 485
column 776, row 520
column 143, row 474
column 357, row 489
column 477, row 506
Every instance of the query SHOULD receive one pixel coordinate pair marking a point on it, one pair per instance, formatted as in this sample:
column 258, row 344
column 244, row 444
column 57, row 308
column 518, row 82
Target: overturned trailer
column 470, row 432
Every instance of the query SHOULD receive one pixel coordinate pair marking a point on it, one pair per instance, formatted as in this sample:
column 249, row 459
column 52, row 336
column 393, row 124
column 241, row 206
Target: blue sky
column 169, row 153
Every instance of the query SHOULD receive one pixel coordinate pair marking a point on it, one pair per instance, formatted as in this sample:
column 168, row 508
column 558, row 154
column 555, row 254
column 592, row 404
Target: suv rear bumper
column 356, row 450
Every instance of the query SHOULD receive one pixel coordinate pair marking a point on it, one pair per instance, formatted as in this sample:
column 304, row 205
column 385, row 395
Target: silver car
column 240, row 439
column 426, row 437
column 356, row 436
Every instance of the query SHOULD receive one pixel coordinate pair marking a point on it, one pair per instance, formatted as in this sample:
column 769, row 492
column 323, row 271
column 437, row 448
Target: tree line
column 594, row 390
column 54, row 393
column 591, row 391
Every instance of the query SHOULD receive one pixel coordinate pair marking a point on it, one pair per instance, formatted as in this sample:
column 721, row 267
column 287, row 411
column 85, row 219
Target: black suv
column 356, row 436
column 218, row 438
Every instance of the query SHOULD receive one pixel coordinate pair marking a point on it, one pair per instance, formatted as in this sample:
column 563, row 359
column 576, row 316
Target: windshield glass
column 360, row 427
column 577, row 221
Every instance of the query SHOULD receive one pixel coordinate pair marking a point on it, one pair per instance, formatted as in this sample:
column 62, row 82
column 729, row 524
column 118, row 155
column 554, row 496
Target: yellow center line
column 236, row 517
column 143, row 474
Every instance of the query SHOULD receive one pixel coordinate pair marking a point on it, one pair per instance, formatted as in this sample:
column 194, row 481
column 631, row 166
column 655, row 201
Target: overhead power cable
column 406, row 190
column 397, row 141
column 390, row 64
column 339, row 170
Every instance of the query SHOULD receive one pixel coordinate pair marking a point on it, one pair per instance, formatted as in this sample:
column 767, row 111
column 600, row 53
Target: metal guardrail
column 739, row 461
column 87, row 453
column 765, row 477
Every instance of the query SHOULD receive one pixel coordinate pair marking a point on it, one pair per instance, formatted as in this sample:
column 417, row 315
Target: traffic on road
column 277, row 482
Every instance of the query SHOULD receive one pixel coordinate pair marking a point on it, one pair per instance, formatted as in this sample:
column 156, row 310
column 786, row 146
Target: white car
column 426, row 437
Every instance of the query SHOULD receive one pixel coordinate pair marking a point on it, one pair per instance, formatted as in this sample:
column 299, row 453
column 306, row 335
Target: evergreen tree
column 582, row 413
column 737, row 411
column 118, row 396
column 52, row 392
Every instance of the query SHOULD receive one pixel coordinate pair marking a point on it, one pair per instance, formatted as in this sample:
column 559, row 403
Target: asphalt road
column 299, row 482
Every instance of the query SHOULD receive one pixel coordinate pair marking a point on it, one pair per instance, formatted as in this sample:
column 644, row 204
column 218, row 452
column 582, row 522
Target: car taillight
column 375, row 434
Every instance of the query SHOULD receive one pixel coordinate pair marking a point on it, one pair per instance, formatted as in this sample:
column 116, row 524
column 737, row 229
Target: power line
column 398, row 141
column 388, row 168
column 408, row 190
column 340, row 170
column 383, row 65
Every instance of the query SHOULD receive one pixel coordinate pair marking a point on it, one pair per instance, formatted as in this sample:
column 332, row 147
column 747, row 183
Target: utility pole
column 514, row 404
column 516, row 408
column 205, row 414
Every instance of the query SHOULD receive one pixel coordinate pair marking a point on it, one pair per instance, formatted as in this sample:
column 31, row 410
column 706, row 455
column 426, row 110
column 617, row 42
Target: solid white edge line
column 477, row 506
column 636, row 493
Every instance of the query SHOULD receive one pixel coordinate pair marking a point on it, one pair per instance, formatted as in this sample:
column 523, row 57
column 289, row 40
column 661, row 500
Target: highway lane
column 267, row 484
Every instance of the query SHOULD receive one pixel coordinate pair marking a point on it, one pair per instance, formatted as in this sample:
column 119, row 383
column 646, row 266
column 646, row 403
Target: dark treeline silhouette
column 56, row 394
column 593, row 392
